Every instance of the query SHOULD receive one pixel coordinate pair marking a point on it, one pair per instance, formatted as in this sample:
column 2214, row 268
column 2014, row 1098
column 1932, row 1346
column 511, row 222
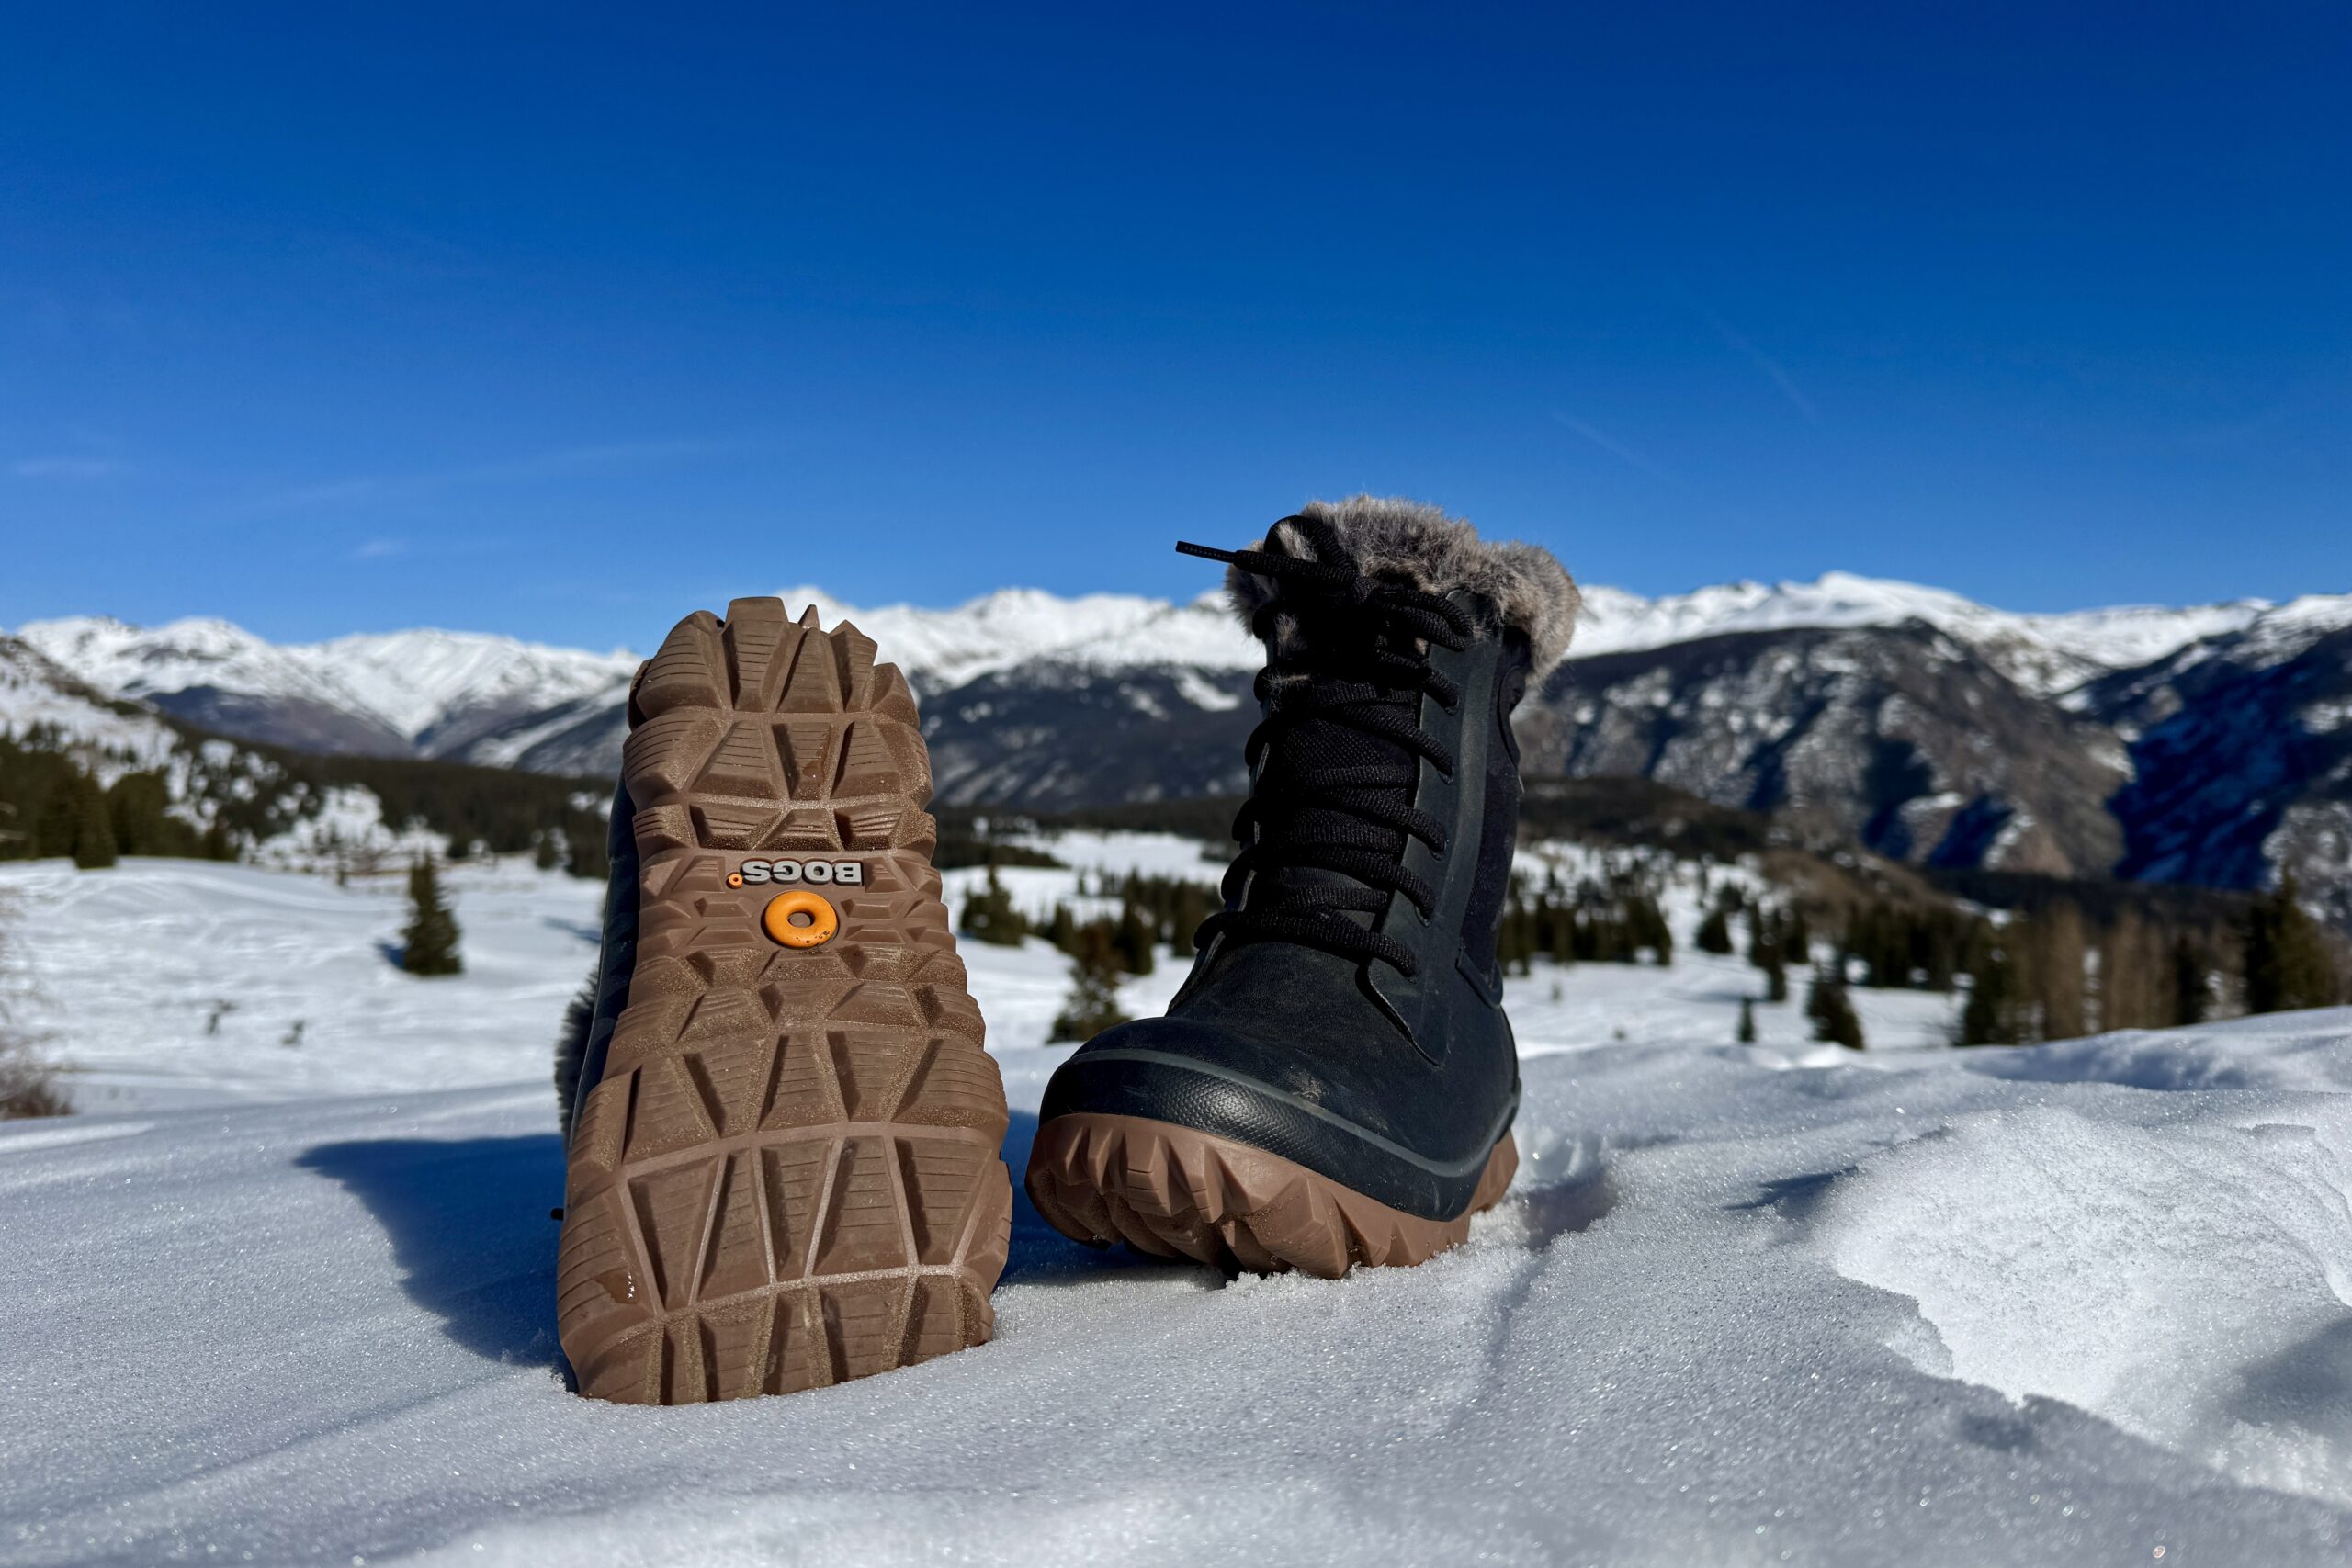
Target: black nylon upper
column 1334, row 762
column 1345, row 1010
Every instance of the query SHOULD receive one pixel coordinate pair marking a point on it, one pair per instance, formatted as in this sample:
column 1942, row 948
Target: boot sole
column 789, row 1173
column 1174, row 1192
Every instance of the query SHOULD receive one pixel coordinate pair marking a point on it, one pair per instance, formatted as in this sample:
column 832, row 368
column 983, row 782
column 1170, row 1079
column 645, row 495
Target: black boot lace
column 1335, row 762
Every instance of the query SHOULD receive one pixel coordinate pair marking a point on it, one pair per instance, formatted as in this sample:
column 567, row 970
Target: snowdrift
column 2078, row 1304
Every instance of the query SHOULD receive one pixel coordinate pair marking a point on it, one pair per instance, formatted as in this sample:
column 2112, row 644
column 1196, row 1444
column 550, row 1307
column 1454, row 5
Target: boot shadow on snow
column 470, row 1232
column 1040, row 1254
column 471, row 1236
column 468, row 1220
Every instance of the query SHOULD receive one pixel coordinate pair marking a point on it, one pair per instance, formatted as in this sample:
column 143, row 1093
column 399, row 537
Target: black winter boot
column 1336, row 1081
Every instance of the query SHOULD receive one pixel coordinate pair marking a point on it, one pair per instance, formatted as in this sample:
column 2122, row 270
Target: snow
column 125, row 971
column 2046, row 654
column 2085, row 1302
column 348, row 830
column 943, row 649
column 409, row 682
column 405, row 681
column 413, row 679
column 31, row 696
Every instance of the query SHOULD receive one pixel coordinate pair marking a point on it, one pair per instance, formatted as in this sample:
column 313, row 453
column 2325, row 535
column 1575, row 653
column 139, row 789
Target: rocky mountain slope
column 2210, row 744
column 431, row 693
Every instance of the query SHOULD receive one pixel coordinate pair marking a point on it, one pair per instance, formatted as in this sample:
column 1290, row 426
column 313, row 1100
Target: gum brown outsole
column 789, row 1175
column 1175, row 1193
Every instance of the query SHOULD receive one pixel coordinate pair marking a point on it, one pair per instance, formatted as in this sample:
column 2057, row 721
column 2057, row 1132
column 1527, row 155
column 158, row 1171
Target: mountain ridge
column 2205, row 744
column 407, row 680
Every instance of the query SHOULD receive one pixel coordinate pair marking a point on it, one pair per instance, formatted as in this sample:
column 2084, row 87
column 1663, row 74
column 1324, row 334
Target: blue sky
column 563, row 320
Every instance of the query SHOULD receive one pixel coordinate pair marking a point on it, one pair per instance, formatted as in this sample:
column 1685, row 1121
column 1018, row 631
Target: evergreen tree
column 1062, row 930
column 1132, row 941
column 587, row 845
column 2057, row 937
column 1714, row 934
column 2125, row 998
column 140, row 808
column 1556, row 930
column 53, row 822
column 2288, row 965
column 1191, row 909
column 75, row 820
column 1796, row 937
column 1094, row 975
column 1991, row 1016
column 93, row 846
column 1747, row 1020
column 429, row 945
column 2192, row 983
column 989, row 916
column 1832, row 1011
column 1645, row 927
column 546, row 853
column 1776, row 977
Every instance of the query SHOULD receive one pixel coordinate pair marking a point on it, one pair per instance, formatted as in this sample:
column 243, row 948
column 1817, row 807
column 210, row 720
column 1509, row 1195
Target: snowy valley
column 282, row 1282
column 282, row 1287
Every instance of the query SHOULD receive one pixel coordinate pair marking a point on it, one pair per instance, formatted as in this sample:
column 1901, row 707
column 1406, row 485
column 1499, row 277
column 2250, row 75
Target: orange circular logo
column 799, row 919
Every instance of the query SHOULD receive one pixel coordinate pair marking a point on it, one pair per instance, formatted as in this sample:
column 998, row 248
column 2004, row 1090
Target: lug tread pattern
column 1175, row 1193
column 789, row 1173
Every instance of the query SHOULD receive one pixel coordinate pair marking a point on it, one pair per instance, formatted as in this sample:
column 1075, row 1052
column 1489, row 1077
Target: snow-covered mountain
column 428, row 693
column 448, row 693
column 2210, row 744
column 940, row 649
column 37, row 695
column 480, row 697
column 2046, row 654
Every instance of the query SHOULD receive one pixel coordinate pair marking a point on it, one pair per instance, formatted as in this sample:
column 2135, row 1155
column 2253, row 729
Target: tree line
column 52, row 805
column 1103, row 950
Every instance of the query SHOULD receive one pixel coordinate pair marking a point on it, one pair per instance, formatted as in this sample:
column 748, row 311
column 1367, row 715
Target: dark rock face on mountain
column 1900, row 737
column 2244, row 758
column 297, row 722
column 1051, row 737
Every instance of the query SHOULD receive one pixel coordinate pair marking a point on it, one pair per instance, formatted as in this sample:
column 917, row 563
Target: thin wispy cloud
column 559, row 463
column 1617, row 448
column 379, row 549
column 1739, row 341
column 64, row 468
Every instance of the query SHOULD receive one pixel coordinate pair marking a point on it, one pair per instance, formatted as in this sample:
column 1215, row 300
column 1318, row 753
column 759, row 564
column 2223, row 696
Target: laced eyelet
column 1345, row 653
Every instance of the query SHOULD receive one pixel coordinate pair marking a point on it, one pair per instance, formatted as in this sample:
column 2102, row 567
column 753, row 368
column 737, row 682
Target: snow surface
column 2084, row 1304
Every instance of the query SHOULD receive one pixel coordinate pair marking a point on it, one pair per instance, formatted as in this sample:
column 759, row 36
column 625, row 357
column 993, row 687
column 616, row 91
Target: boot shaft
column 1384, row 778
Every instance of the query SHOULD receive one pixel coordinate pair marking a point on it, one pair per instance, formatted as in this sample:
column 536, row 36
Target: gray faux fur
column 571, row 1049
column 1415, row 543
